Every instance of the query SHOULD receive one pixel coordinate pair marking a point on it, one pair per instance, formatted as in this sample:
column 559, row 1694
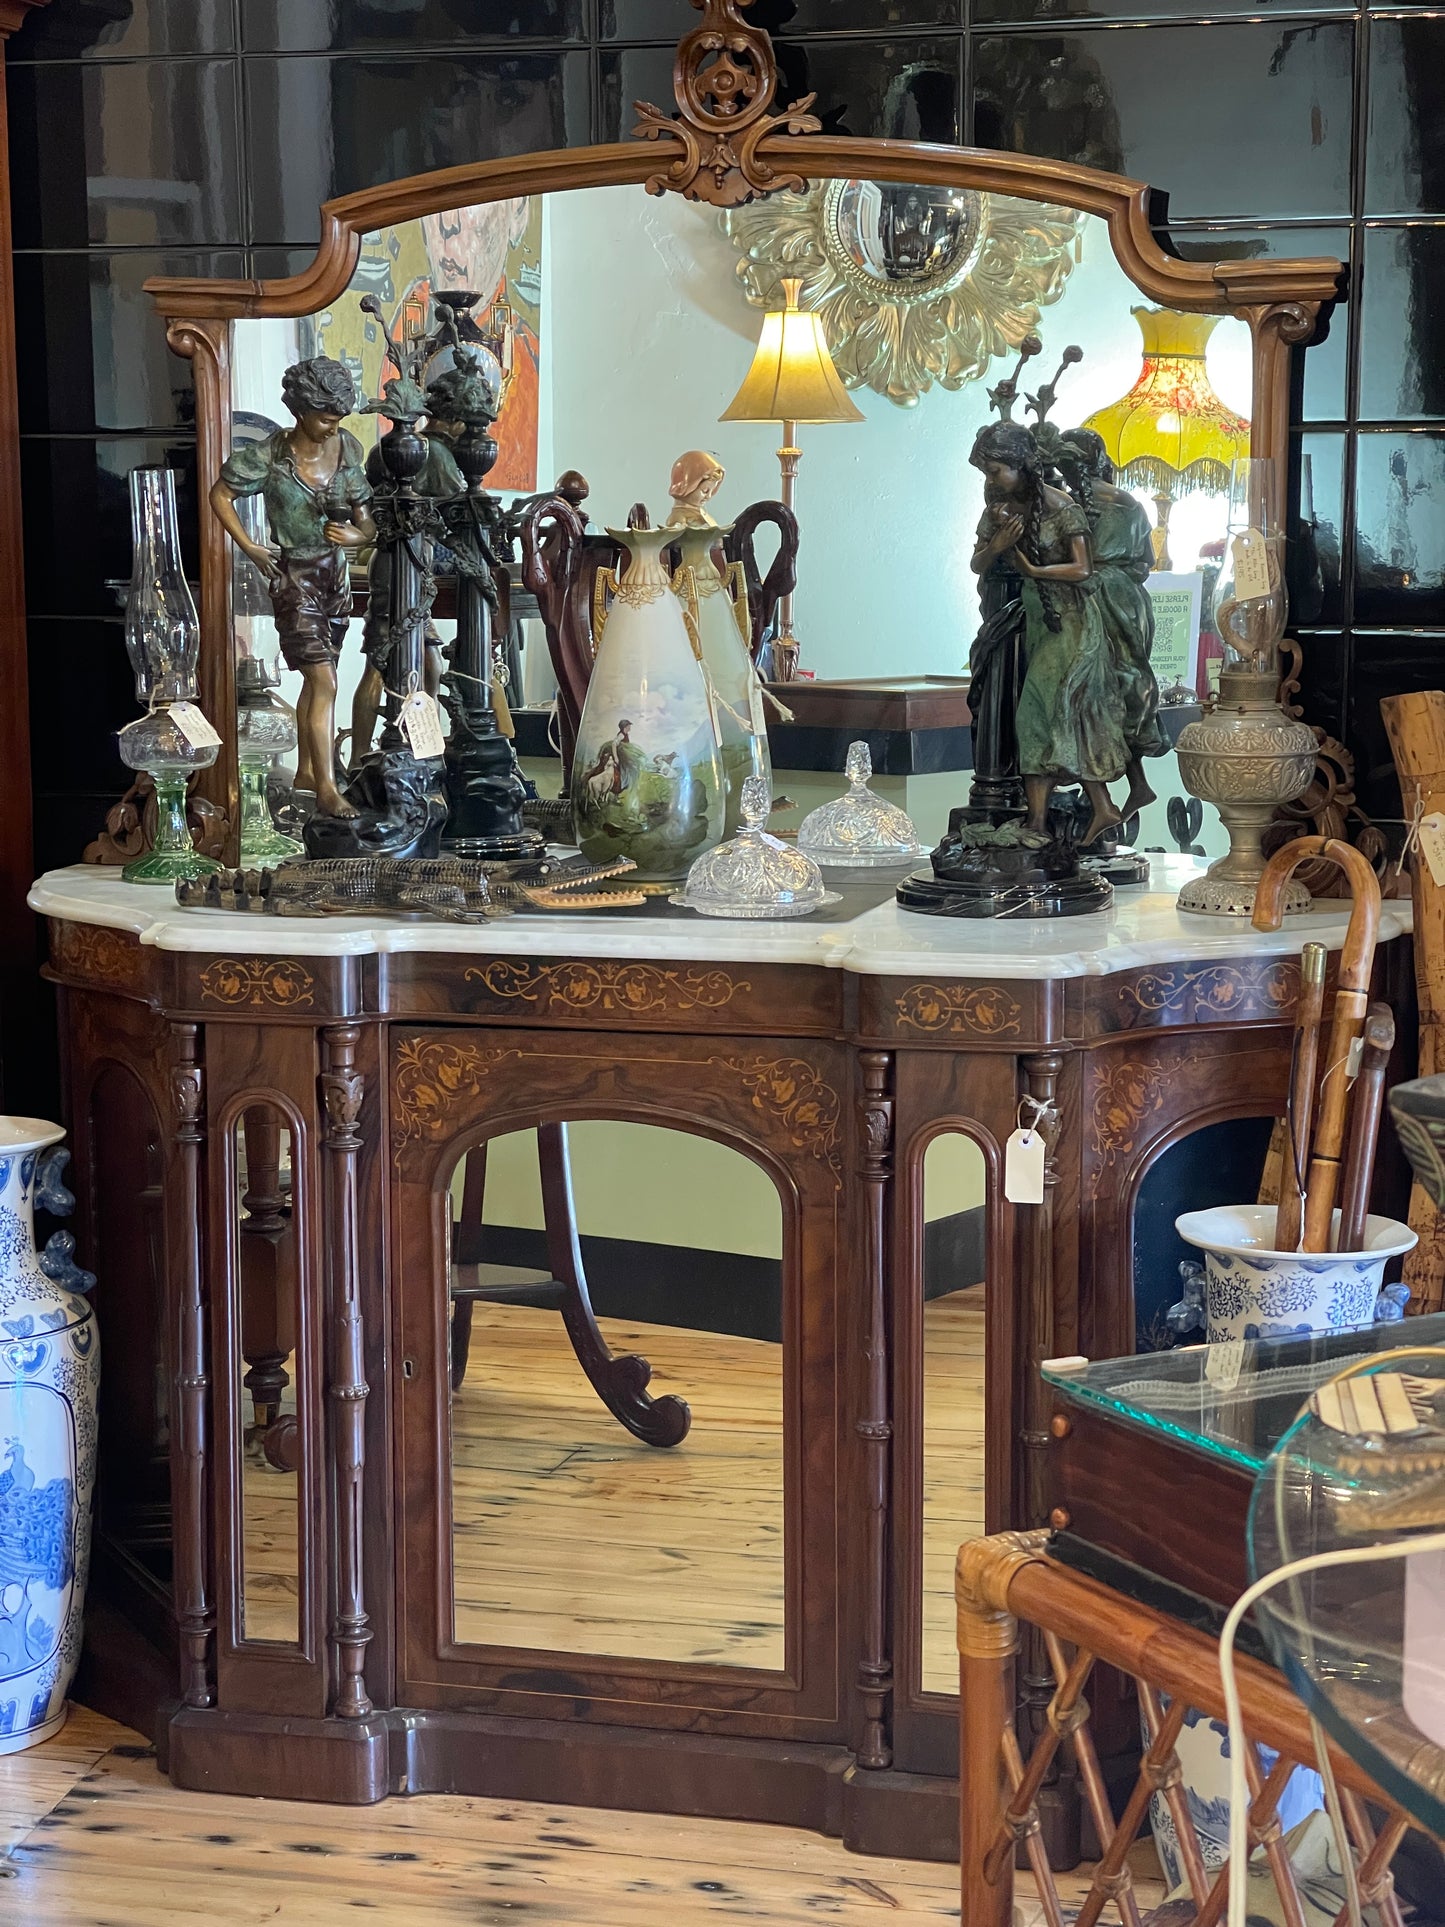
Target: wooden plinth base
column 356, row 1763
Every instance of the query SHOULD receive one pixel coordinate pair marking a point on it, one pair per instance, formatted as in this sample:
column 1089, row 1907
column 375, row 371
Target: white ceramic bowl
column 1254, row 1290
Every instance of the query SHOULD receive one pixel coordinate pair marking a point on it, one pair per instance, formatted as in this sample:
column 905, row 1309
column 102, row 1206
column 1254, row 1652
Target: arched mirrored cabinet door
column 262, row 1346
column 954, row 1332
column 615, row 1350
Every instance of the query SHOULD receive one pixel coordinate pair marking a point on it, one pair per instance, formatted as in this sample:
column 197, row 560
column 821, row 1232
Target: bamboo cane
column 1415, row 725
column 1351, row 998
column 1289, row 1218
column 1365, row 1111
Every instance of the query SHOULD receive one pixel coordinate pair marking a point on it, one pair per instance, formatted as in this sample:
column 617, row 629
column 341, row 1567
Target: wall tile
column 662, row 20
column 907, row 89
column 156, row 162
column 77, row 517
column 1386, row 665
column 1235, row 119
column 1405, row 140
column 99, row 356
column 1324, row 679
column 73, row 743
column 1326, row 365
column 1401, row 373
column 1318, row 590
column 1400, row 530
column 106, row 29
column 375, row 120
column 324, row 26
column 1004, row 12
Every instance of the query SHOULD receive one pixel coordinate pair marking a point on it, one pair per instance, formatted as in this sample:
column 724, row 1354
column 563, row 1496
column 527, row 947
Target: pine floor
column 91, row 1835
column 570, row 1535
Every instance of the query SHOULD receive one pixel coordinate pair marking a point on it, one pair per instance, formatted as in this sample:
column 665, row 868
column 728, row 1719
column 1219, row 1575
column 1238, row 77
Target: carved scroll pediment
column 725, row 78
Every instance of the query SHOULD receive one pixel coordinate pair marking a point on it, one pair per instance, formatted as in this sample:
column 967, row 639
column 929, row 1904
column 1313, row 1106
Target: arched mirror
column 955, row 1299
column 601, row 1504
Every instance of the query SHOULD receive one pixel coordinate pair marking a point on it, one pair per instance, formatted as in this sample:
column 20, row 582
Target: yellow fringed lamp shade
column 1171, row 432
column 792, row 378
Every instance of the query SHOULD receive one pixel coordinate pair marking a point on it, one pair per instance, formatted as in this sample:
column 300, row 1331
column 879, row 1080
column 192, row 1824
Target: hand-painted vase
column 49, row 1380
column 719, row 608
column 646, row 774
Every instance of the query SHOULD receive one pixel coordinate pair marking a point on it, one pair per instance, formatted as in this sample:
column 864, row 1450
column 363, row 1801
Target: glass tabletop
column 1364, row 1645
column 1232, row 1403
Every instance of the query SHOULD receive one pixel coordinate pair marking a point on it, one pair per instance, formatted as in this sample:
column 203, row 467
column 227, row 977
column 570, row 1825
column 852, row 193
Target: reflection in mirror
column 624, row 324
column 589, row 1515
column 954, row 1266
column 268, row 1586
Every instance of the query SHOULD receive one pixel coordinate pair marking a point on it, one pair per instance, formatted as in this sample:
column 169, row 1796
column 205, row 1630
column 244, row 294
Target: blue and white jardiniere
column 49, row 1378
column 1253, row 1291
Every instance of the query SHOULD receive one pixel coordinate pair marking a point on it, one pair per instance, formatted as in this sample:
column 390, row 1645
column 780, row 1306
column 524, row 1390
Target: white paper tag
column 192, row 724
column 1355, row 1059
column 1431, row 836
column 1251, row 566
column 421, row 724
column 1223, row 1364
column 1023, row 1168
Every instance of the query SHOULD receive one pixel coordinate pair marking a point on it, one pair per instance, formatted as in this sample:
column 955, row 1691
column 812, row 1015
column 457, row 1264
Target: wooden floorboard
column 113, row 1844
column 572, row 1536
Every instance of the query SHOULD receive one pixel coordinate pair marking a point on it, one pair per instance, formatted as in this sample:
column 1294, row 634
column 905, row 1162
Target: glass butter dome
column 755, row 875
column 859, row 830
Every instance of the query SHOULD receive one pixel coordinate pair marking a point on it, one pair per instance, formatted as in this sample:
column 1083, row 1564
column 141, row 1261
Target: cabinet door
column 616, row 1310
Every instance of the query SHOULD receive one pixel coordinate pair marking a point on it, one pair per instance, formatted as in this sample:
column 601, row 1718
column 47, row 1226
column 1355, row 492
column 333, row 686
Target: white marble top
column 1143, row 928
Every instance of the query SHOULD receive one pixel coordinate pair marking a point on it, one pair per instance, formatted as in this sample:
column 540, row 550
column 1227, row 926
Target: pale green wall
column 659, row 1186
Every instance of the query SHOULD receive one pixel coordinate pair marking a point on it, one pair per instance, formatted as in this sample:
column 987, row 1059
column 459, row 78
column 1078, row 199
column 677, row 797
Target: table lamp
column 1171, row 433
column 792, row 379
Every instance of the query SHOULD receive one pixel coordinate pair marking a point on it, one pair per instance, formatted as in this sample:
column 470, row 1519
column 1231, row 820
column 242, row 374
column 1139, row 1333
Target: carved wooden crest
column 725, row 77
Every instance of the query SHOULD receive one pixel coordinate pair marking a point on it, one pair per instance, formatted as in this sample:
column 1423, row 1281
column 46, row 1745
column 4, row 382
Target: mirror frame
column 722, row 146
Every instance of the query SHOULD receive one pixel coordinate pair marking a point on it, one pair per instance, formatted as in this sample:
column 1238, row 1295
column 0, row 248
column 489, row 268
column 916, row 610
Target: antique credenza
column 831, row 1054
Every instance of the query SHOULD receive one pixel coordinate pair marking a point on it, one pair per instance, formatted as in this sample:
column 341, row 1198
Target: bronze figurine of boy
column 313, row 482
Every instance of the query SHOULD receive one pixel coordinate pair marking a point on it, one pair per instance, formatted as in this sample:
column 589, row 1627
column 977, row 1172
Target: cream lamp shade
column 792, row 378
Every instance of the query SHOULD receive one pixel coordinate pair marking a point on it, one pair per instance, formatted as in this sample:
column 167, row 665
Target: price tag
column 1432, row 846
column 1355, row 1059
column 1223, row 1364
column 1251, row 566
column 421, row 724
column 192, row 724
column 1023, row 1168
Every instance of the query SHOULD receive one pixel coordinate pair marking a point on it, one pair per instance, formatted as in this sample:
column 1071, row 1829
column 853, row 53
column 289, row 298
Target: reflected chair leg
column 461, row 1339
column 619, row 1380
column 268, row 1271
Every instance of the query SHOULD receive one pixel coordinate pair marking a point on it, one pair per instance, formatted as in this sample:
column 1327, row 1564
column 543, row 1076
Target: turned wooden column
column 342, row 1088
column 268, row 1269
column 874, row 1424
column 195, row 1615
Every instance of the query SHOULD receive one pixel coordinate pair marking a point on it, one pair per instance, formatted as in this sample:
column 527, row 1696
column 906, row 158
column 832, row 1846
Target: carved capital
column 186, row 1096
column 341, row 1096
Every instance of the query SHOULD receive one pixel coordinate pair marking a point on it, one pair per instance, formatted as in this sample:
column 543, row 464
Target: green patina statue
column 312, row 480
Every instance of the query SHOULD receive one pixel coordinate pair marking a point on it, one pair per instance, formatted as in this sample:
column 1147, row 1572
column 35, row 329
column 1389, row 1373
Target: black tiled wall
column 199, row 137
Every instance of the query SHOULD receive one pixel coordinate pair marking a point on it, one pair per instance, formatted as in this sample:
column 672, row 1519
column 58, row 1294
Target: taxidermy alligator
column 451, row 889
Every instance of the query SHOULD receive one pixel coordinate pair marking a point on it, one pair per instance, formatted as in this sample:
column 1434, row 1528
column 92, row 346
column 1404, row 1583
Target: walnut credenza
column 831, row 1054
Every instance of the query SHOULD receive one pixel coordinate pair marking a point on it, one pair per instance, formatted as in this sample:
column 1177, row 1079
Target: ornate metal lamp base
column 1227, row 896
column 1246, row 757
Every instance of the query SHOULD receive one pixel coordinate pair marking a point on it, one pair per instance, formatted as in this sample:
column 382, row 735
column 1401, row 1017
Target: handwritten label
column 1023, row 1168
column 1251, row 566
column 1223, row 1364
column 421, row 724
column 1432, row 846
column 193, row 725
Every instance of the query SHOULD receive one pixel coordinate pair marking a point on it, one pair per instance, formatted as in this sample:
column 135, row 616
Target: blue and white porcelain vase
column 49, row 1380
